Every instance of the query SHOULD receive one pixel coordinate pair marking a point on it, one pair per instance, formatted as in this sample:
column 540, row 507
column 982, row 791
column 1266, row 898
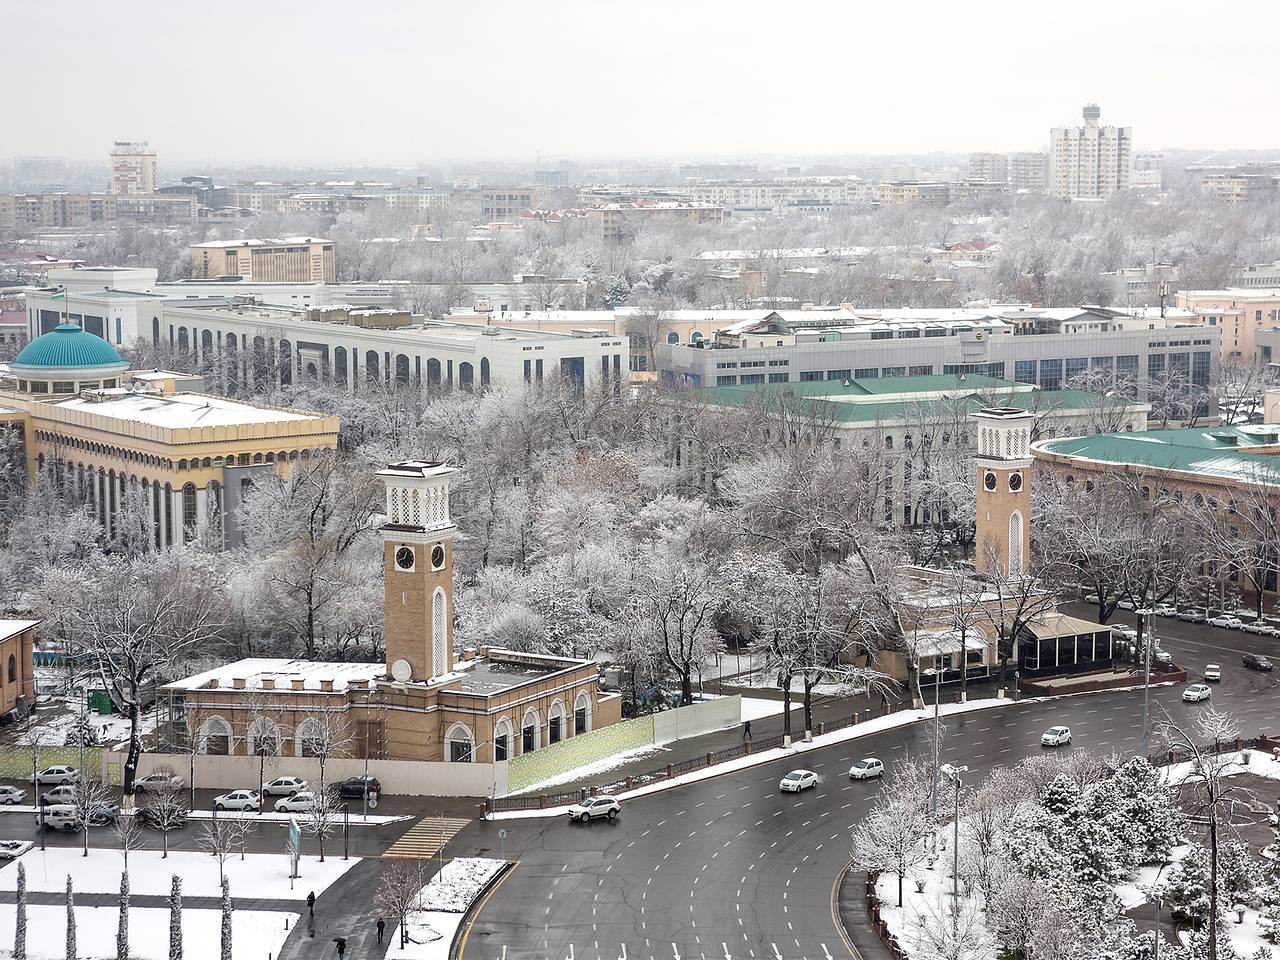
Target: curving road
column 730, row 868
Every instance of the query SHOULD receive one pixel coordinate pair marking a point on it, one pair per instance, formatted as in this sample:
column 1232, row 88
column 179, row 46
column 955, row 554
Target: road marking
column 425, row 838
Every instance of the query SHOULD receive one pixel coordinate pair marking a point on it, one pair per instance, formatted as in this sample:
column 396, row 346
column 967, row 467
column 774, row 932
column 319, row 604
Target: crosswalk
column 425, row 838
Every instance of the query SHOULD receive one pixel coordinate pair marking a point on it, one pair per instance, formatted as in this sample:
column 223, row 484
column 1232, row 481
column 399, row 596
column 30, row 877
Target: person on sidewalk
column 381, row 925
column 341, row 943
column 311, row 905
column 746, row 731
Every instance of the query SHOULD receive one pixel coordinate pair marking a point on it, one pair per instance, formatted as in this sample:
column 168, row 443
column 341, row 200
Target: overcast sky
column 278, row 81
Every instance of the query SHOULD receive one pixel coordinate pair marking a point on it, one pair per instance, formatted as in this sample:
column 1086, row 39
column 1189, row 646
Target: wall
column 697, row 719
column 398, row 777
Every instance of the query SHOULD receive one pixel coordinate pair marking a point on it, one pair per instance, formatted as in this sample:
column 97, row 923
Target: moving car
column 283, row 786
column 1124, row 604
column 1256, row 661
column 1227, row 621
column 1212, row 671
column 1195, row 693
column 157, row 781
column 66, row 793
column 301, row 802
column 594, row 807
column 58, row 774
column 1260, row 627
column 1192, row 616
column 237, row 800
column 355, row 787
column 11, row 794
column 798, row 780
column 1161, row 656
column 1055, row 737
column 59, row 817
column 103, row 813
column 866, row 769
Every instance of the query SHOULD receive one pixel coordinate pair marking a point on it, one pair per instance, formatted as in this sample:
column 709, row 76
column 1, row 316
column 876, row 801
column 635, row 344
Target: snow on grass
column 430, row 936
column 458, row 883
column 1256, row 762
column 1138, row 890
column 254, row 933
column 928, row 908
column 258, row 875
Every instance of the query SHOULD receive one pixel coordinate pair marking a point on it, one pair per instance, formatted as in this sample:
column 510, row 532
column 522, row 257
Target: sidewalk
column 855, row 919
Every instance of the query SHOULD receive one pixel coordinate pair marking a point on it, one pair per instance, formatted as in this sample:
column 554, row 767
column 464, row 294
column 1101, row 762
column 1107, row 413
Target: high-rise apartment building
column 1092, row 161
column 992, row 167
column 1027, row 171
column 133, row 168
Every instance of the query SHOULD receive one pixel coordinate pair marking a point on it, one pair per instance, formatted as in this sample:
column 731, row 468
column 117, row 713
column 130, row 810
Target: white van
column 60, row 816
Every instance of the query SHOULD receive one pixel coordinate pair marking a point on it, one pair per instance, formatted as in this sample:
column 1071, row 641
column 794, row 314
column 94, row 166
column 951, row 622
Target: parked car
column 355, row 787
column 237, row 800
column 866, row 769
column 1124, row 604
column 300, row 802
column 157, row 781
column 594, row 807
column 1055, row 737
column 60, row 816
column 798, row 780
column 1124, row 630
column 150, row 817
column 1195, row 693
column 1192, row 616
column 1212, row 671
column 1164, row 610
column 66, row 793
column 1226, row 621
column 11, row 794
column 57, row 774
column 283, row 786
column 1260, row 627
column 103, row 813
column 1256, row 661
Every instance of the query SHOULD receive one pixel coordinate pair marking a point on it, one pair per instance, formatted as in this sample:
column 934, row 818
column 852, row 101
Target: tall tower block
column 417, row 566
column 1003, row 536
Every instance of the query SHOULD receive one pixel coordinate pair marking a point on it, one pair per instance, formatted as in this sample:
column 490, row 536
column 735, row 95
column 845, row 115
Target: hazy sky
column 278, row 81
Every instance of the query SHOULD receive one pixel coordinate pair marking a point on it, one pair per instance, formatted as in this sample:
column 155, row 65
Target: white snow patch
column 430, row 936
column 1256, row 762
column 458, row 883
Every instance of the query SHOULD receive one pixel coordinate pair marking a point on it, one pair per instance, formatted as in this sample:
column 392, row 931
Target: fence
column 15, row 762
column 546, row 764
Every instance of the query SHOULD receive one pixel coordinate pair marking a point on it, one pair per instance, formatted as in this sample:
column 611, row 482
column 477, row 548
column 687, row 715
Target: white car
column 1055, row 737
column 10, row 794
column 594, row 807
column 798, row 780
column 1125, row 604
column 1122, row 630
column 284, row 786
column 1259, row 627
column 59, row 817
column 66, row 793
column 1212, row 671
column 1195, row 693
column 157, row 781
column 1192, row 616
column 866, row 769
column 1161, row 656
column 237, row 800
column 1164, row 610
column 301, row 802
column 1226, row 621
column 58, row 774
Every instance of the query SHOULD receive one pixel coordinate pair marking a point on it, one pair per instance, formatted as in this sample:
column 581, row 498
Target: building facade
column 1028, row 172
column 287, row 260
column 989, row 166
column 1238, row 315
column 133, row 169
column 1090, row 162
column 17, row 673
column 1239, row 188
column 38, row 211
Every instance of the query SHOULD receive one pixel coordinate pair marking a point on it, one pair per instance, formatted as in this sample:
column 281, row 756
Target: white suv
column 1055, row 737
column 594, row 807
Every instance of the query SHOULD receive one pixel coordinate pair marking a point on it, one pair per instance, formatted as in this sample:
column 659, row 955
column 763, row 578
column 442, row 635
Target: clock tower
column 417, row 566
column 1003, row 536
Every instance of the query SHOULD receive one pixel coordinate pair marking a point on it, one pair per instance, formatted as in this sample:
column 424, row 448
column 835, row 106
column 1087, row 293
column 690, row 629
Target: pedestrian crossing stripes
column 425, row 838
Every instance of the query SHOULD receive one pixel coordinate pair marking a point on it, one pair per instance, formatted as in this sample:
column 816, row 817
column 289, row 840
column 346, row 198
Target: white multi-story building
column 133, row 168
column 781, row 194
column 1027, row 171
column 993, row 167
column 1089, row 162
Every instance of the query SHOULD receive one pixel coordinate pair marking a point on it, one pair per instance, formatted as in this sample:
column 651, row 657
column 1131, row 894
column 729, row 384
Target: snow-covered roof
column 265, row 242
column 9, row 628
column 179, row 411
column 253, row 670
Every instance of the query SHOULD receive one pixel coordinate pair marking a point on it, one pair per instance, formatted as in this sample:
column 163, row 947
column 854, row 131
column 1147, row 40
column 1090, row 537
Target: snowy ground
column 445, row 900
column 254, row 933
column 929, row 907
column 257, row 875
column 1256, row 762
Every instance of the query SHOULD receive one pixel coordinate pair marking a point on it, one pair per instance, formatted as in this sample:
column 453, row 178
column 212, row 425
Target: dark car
column 103, row 813
column 355, row 787
column 1256, row 661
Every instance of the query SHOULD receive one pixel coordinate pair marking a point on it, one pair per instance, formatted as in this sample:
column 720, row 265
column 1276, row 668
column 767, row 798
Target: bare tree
column 128, row 833
column 891, row 838
column 323, row 816
column 323, row 735
column 166, row 810
column 399, row 893
column 91, row 797
column 222, row 837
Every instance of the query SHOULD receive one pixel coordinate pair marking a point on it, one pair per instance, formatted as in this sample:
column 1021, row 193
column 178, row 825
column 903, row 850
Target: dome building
column 65, row 361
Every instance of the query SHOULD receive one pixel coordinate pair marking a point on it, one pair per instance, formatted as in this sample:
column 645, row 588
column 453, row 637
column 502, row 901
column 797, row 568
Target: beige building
column 898, row 193
column 31, row 211
column 1090, row 162
column 1236, row 188
column 421, row 704
column 286, row 260
column 621, row 221
column 17, row 675
column 1238, row 313
column 133, row 168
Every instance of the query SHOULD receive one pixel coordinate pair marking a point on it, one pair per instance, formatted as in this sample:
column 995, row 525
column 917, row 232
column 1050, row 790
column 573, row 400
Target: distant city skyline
column 387, row 83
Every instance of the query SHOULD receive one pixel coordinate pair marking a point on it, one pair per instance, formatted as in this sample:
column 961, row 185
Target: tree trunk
column 1213, row 883
column 135, row 741
column 785, row 680
column 901, row 874
column 686, row 684
column 808, row 704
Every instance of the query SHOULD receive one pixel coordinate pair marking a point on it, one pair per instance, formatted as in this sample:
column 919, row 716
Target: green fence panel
column 542, row 765
column 15, row 762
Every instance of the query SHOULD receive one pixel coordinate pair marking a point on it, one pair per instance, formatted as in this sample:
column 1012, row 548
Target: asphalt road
column 729, row 867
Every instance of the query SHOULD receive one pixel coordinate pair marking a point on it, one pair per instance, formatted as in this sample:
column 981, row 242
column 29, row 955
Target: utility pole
column 1145, row 620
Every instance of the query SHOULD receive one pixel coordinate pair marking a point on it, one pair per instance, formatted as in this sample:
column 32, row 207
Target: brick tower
column 1003, row 536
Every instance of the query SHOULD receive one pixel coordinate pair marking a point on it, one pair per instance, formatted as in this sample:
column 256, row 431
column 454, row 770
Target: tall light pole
column 937, row 736
column 955, row 774
column 1145, row 620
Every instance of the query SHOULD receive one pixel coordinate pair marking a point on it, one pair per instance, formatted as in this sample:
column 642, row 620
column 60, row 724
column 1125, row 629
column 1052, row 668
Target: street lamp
column 1145, row 622
column 955, row 773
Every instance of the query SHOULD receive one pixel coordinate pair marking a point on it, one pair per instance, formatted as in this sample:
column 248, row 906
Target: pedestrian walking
column 582, row 794
column 341, row 943
column 746, row 731
column 382, row 925
column 311, row 905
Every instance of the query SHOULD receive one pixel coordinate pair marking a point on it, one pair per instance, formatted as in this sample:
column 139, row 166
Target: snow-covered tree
column 225, row 953
column 166, row 810
column 175, row 918
column 71, row 920
column 20, row 916
column 122, row 924
column 891, row 838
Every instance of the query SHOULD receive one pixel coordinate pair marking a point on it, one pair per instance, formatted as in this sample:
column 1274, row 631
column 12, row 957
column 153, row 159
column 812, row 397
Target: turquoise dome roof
column 67, row 347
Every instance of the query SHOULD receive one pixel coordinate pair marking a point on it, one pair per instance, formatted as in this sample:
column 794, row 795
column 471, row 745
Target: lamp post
column 1017, row 675
column 937, row 736
column 955, row 774
column 1156, row 901
column 1145, row 621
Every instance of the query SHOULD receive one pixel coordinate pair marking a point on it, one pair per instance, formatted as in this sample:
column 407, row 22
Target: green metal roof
column 1244, row 453
column 66, row 346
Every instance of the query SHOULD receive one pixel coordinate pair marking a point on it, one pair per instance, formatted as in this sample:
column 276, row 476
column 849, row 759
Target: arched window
column 214, row 737
column 188, row 510
column 155, row 331
column 673, row 337
column 529, row 731
column 371, row 366
column 1015, row 544
column 484, row 371
column 696, row 337
column 13, row 669
column 433, row 372
column 502, row 740
column 311, row 739
column 402, row 369
column 264, row 738
column 466, row 376
column 582, row 713
column 285, row 351
column 340, row 365
column 439, row 633
column 459, row 745
column 555, row 723
column 184, row 343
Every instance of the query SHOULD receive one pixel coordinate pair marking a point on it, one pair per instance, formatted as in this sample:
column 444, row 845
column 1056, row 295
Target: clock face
column 404, row 558
column 1015, row 482
column 437, row 557
column 989, row 481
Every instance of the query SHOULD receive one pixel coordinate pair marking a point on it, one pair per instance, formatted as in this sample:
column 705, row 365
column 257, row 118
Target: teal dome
column 67, row 347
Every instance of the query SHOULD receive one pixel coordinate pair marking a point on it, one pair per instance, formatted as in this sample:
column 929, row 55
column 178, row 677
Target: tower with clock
column 418, row 570
column 1002, row 535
